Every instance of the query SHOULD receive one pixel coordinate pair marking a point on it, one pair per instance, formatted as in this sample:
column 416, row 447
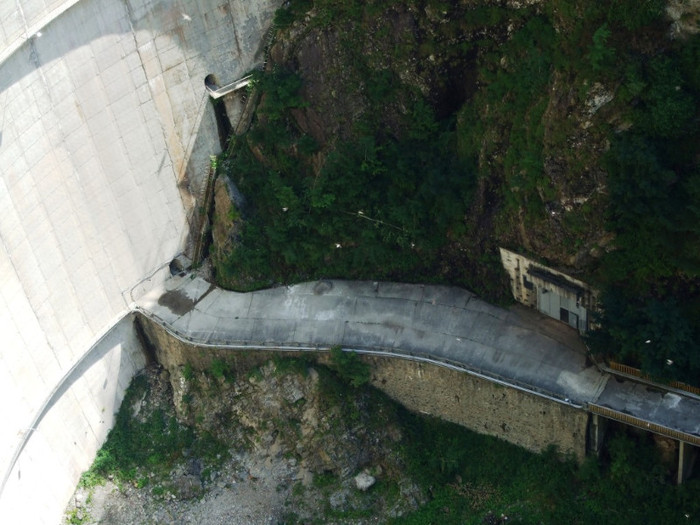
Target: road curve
column 445, row 325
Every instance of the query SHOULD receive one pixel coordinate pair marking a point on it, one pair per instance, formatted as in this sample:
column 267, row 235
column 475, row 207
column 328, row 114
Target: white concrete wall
column 67, row 428
column 105, row 131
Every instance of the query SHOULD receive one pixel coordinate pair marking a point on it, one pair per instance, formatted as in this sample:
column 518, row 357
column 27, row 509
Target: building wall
column 105, row 137
column 549, row 290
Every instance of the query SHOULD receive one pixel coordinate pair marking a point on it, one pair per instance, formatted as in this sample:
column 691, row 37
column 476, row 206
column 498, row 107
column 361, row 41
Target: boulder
column 364, row 481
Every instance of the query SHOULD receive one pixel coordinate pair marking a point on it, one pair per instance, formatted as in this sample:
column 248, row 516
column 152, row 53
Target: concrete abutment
column 597, row 427
column 687, row 458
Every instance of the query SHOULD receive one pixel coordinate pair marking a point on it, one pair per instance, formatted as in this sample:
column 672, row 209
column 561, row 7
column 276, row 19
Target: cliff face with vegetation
column 227, row 437
column 406, row 140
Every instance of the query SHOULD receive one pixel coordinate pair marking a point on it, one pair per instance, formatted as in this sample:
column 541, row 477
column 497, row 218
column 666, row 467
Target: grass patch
column 222, row 370
column 154, row 445
column 467, row 478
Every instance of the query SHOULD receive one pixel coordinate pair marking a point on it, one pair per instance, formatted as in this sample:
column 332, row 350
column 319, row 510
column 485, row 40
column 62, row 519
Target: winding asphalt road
column 446, row 325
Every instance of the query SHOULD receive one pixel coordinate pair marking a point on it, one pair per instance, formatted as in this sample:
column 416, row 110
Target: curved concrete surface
column 105, row 135
column 445, row 325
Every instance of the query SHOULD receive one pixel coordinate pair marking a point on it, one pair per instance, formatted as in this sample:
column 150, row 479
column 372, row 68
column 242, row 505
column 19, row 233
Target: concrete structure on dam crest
column 105, row 137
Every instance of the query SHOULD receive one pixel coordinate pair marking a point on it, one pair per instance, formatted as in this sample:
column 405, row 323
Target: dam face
column 105, row 137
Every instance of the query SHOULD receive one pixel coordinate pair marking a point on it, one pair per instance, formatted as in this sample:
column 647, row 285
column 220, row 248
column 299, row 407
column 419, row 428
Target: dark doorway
column 564, row 315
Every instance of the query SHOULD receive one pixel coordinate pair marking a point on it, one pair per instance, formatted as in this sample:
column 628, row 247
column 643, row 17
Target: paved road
column 443, row 324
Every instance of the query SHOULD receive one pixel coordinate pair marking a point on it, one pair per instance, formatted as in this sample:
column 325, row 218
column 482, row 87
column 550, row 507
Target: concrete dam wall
column 105, row 138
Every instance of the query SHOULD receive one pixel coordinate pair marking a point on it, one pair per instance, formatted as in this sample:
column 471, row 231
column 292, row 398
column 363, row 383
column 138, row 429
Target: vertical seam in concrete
column 190, row 145
column 294, row 332
column 132, row 29
column 121, row 222
column 188, row 214
column 342, row 337
column 24, row 19
column 34, row 314
column 250, row 303
column 235, row 29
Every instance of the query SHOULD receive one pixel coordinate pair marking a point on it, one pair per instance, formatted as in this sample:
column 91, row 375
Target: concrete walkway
column 446, row 325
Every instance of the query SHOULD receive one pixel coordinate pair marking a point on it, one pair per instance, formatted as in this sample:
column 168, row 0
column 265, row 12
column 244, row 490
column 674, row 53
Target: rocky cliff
column 407, row 141
column 278, row 442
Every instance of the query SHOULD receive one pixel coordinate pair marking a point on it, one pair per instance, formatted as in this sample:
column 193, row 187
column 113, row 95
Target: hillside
column 407, row 140
column 292, row 441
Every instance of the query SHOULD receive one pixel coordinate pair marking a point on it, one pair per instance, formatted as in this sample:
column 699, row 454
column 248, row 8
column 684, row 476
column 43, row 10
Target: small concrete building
column 553, row 293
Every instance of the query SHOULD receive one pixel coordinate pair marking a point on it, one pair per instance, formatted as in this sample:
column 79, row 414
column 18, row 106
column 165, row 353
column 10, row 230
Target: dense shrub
column 349, row 367
column 381, row 206
column 392, row 197
column 651, row 282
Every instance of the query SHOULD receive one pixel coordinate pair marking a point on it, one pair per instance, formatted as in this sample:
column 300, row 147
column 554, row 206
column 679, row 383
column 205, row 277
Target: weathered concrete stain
column 177, row 302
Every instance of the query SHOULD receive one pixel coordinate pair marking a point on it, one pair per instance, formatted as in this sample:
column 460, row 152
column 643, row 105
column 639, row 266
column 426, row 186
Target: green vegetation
column 517, row 96
column 135, row 448
column 188, row 372
column 292, row 365
column 77, row 517
column 465, row 478
column 380, row 207
column 651, row 283
column 542, row 129
column 477, row 479
column 221, row 370
column 349, row 367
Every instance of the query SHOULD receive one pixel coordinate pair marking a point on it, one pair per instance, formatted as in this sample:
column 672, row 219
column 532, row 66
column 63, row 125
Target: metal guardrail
column 243, row 82
column 635, row 372
column 645, row 425
column 382, row 351
column 427, row 357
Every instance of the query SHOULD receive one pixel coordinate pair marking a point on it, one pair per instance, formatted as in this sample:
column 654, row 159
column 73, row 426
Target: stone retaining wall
column 524, row 419
column 527, row 420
